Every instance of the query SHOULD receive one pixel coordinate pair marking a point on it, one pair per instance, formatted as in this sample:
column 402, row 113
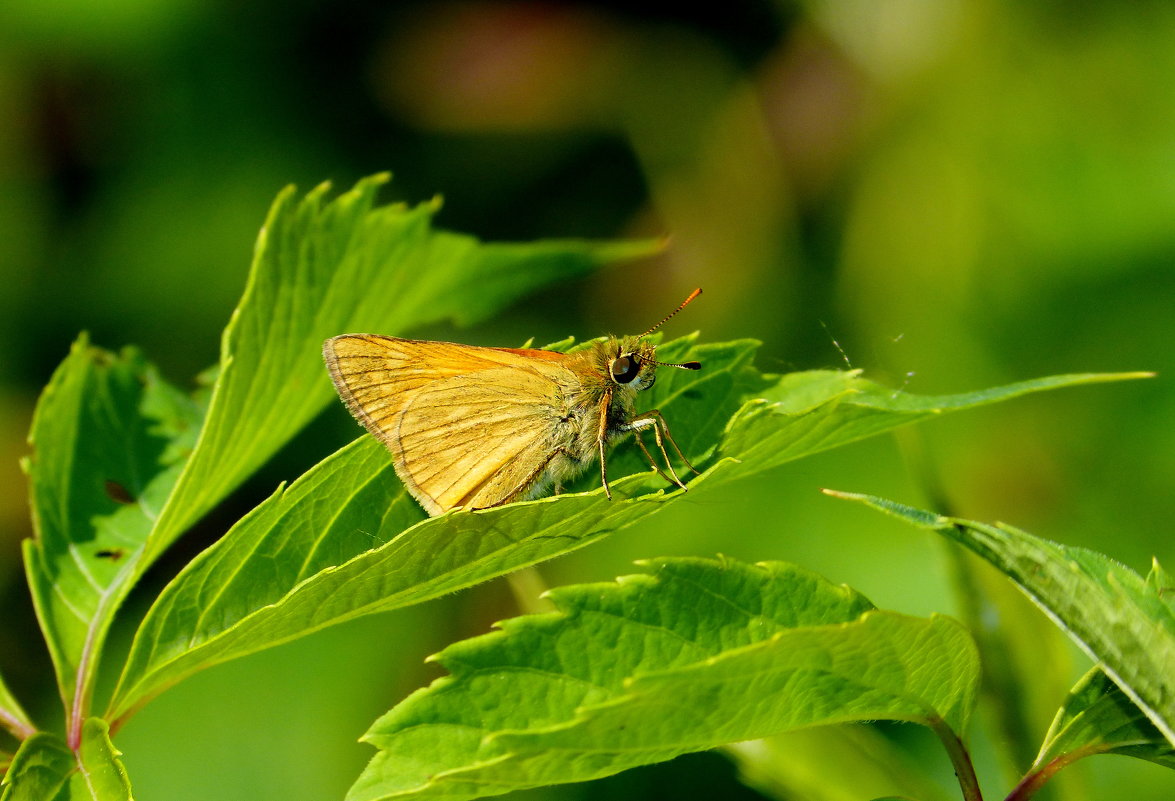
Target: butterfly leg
column 601, row 435
column 650, row 420
column 654, row 413
column 604, row 468
column 640, row 440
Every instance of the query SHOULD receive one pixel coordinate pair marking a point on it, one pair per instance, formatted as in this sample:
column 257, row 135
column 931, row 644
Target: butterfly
column 478, row 427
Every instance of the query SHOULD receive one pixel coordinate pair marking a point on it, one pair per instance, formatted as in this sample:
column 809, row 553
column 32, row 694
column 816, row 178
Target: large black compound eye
column 625, row 369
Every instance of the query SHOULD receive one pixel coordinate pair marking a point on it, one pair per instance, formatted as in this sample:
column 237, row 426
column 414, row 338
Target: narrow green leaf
column 100, row 775
column 323, row 268
column 1098, row 718
column 1123, row 621
column 695, row 655
column 810, row 412
column 39, row 770
column 108, row 440
column 12, row 716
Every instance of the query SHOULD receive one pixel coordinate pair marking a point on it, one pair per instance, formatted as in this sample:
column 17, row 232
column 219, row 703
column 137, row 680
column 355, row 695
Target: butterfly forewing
column 454, row 441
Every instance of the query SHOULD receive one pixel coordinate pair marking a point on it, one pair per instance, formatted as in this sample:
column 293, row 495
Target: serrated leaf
column 45, row 768
column 1123, row 621
column 258, row 585
column 311, row 556
column 695, row 655
column 100, row 775
column 39, row 770
column 110, row 485
column 1098, row 718
column 281, row 573
column 323, row 268
column 107, row 439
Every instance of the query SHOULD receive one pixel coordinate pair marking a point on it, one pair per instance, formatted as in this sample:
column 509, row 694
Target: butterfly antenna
column 682, row 365
column 669, row 316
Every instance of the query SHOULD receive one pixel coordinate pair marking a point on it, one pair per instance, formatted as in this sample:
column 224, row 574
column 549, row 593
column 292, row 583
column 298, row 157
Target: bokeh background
column 949, row 194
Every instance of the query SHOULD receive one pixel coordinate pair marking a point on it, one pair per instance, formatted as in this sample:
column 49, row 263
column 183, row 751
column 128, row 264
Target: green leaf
column 39, row 770
column 311, row 556
column 100, row 775
column 108, row 439
column 1098, row 718
column 315, row 554
column 1123, row 621
column 112, row 481
column 282, row 572
column 323, row 268
column 12, row 716
column 695, row 655
column 805, row 413
column 45, row 768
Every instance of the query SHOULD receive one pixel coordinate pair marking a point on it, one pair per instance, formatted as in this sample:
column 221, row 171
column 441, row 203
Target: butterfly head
column 634, row 365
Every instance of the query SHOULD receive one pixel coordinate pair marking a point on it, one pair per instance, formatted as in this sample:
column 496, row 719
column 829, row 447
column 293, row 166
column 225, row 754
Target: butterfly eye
column 625, row 369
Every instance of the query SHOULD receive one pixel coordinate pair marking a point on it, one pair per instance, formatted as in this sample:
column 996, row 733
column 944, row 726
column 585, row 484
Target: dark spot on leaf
column 113, row 554
column 117, row 492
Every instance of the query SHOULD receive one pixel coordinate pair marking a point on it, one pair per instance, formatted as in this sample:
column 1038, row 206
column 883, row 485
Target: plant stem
column 1036, row 779
column 960, row 759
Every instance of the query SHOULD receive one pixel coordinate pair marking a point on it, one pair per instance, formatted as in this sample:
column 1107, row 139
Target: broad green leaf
column 311, row 556
column 1123, row 621
column 316, row 554
column 100, row 775
column 292, row 567
column 697, row 654
column 12, row 716
column 1098, row 718
column 40, row 769
column 114, row 475
column 108, row 442
column 323, row 268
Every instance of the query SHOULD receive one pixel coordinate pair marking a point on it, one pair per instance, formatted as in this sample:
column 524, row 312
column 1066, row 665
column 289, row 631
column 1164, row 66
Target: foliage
column 693, row 655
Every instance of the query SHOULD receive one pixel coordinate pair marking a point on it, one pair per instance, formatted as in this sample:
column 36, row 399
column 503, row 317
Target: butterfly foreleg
column 601, row 438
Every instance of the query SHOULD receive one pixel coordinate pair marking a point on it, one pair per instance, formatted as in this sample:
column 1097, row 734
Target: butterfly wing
column 466, row 426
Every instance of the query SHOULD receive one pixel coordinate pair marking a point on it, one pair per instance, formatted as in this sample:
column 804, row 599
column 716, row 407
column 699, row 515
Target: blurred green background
column 949, row 194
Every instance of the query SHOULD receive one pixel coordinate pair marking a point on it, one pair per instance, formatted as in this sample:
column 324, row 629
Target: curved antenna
column 669, row 316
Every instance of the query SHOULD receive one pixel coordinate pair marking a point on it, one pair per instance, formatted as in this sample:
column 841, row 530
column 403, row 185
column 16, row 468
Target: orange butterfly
column 478, row 427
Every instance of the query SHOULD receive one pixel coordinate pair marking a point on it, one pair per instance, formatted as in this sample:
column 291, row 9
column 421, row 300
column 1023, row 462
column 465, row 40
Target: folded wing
column 466, row 426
